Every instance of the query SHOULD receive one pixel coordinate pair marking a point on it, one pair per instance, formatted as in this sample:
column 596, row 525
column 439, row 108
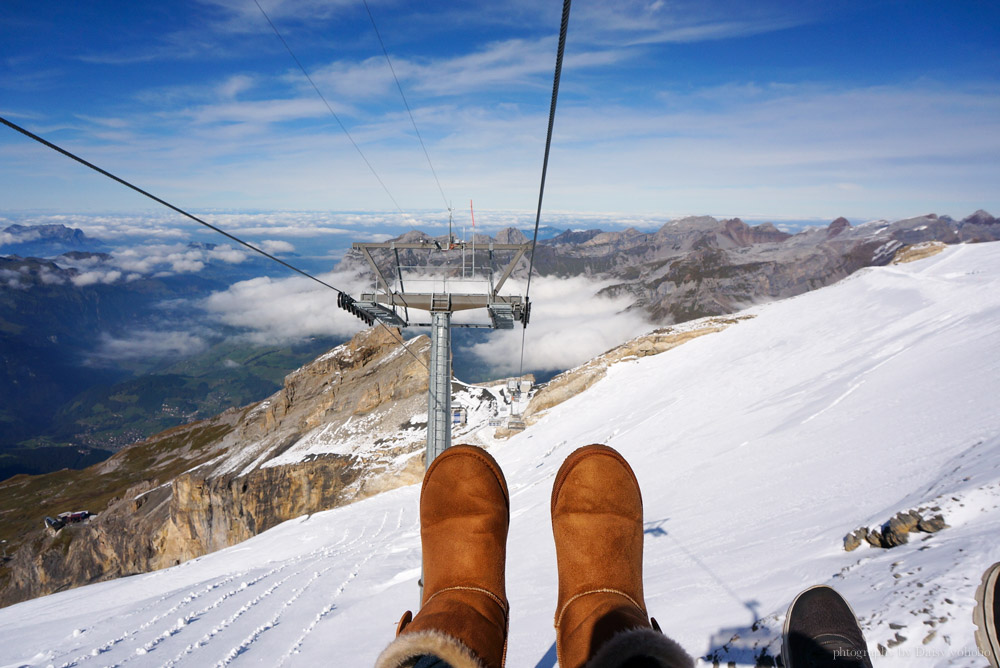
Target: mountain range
column 700, row 266
column 47, row 240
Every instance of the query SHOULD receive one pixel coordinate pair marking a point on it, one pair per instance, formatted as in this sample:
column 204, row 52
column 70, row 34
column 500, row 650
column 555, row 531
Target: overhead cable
column 564, row 26
column 330, row 108
column 73, row 156
column 407, row 105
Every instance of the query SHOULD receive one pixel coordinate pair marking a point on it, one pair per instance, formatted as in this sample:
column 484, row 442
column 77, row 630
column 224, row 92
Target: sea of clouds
column 571, row 321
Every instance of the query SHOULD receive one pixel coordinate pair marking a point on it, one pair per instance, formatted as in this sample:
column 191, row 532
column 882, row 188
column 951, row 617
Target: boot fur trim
column 640, row 642
column 404, row 650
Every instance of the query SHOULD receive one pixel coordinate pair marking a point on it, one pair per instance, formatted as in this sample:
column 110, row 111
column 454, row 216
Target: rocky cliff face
column 200, row 487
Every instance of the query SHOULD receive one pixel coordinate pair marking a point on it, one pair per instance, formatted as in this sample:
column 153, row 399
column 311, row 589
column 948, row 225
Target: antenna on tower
column 451, row 236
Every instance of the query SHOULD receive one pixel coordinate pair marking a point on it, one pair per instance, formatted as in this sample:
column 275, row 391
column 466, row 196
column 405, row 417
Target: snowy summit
column 758, row 448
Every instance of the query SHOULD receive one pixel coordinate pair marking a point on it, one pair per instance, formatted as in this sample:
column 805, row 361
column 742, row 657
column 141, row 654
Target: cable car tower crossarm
column 391, row 305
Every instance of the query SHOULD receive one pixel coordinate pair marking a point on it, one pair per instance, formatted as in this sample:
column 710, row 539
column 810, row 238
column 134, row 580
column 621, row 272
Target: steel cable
column 330, row 108
column 407, row 105
column 73, row 156
column 564, row 26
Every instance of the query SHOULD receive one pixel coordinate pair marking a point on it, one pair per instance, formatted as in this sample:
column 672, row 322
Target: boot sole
column 581, row 454
column 478, row 453
column 785, row 654
column 984, row 619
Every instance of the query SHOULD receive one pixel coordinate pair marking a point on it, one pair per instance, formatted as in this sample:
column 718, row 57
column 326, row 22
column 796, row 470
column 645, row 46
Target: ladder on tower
column 440, row 302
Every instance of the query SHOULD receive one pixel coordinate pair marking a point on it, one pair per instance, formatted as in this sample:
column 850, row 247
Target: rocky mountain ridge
column 45, row 240
column 700, row 266
column 199, row 487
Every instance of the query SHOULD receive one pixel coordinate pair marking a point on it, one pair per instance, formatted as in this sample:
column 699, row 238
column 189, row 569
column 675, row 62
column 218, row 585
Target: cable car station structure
column 390, row 304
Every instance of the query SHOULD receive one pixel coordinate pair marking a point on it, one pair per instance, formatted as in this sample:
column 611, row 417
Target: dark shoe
column 464, row 514
column 987, row 615
column 601, row 618
column 821, row 631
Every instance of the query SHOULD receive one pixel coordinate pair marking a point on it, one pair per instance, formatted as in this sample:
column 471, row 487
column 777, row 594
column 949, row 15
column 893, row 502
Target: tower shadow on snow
column 750, row 645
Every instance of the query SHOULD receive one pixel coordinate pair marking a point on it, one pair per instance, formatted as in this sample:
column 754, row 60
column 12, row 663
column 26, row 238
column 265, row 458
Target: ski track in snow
column 180, row 620
column 757, row 448
column 333, row 560
column 372, row 549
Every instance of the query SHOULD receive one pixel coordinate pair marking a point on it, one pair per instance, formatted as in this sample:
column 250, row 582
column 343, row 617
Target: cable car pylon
column 391, row 302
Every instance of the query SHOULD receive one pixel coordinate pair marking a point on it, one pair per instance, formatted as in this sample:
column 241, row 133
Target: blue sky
column 759, row 109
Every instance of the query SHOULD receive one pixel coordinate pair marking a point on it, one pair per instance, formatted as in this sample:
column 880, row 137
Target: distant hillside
column 46, row 240
column 57, row 390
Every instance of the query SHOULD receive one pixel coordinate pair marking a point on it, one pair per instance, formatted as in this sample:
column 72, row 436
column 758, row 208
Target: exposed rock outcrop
column 918, row 252
column 837, row 227
column 980, row 226
column 897, row 530
column 511, row 235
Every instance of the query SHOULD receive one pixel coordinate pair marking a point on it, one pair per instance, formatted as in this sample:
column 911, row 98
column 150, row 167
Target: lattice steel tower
column 440, row 290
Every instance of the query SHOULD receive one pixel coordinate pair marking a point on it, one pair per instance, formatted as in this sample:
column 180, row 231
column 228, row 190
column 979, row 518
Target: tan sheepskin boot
column 601, row 619
column 464, row 514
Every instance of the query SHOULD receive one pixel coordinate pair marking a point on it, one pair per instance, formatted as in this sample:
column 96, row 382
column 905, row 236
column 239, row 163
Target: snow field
column 757, row 448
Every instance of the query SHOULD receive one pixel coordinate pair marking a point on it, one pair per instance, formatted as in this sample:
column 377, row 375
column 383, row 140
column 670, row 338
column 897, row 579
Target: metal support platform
column 380, row 313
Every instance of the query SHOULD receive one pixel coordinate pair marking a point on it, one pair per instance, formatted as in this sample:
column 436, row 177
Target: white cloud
column 19, row 237
column 259, row 112
column 569, row 325
column 295, row 223
column 290, row 309
column 629, row 23
column 227, row 254
column 9, row 238
column 154, row 259
column 12, row 279
column 48, row 277
column 183, row 264
column 235, row 85
column 262, row 139
column 146, row 344
column 96, row 276
column 511, row 63
column 237, row 17
column 276, row 246
column 120, row 227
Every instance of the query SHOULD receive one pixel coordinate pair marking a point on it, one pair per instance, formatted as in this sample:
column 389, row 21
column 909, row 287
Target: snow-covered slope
column 757, row 449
